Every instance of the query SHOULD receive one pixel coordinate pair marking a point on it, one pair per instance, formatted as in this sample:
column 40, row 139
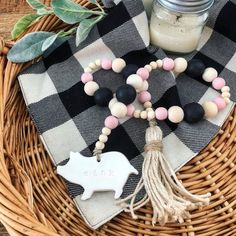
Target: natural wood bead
column 175, row 114
column 210, row 108
column 88, row 70
column 153, row 64
column 106, row 131
column 148, row 67
column 92, row 65
column 159, row 63
column 100, row 145
column 147, row 105
column 137, row 113
column 103, row 138
column 90, row 88
column 112, row 102
column 118, row 65
column 135, row 80
column 227, row 100
column 143, row 115
column 209, row 74
column 225, row 89
column 180, row 65
column 145, row 86
column 98, row 62
column 149, row 109
column 151, row 115
column 226, row 95
column 119, row 110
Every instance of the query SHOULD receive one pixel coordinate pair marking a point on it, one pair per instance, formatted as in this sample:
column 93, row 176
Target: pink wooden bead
column 168, row 64
column 143, row 73
column 144, row 96
column 161, row 113
column 106, row 64
column 130, row 110
column 218, row 83
column 220, row 103
column 111, row 122
column 86, row 77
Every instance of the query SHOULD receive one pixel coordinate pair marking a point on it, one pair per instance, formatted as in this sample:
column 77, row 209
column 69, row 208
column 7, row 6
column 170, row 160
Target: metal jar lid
column 187, row 6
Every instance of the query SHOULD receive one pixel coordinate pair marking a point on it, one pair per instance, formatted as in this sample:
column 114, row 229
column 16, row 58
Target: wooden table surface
column 10, row 12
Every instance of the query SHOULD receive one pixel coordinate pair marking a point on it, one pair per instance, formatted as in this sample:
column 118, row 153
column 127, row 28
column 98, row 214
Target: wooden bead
column 88, row 70
column 106, row 131
column 147, row 105
column 225, row 89
column 150, row 114
column 175, row 114
column 145, row 86
column 180, row 65
column 119, row 110
column 159, row 63
column 100, row 145
column 143, row 115
column 103, row 138
column 227, row 100
column 90, row 88
column 92, row 65
column 98, row 62
column 118, row 65
column 226, row 95
column 195, row 68
column 210, row 108
column 193, row 112
column 209, row 74
column 137, row 113
column 153, row 64
column 112, row 102
column 136, row 81
column 148, row 67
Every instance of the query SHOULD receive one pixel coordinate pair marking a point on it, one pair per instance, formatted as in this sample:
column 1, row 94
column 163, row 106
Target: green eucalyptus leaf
column 48, row 42
column 22, row 24
column 29, row 47
column 69, row 11
column 84, row 28
column 35, row 4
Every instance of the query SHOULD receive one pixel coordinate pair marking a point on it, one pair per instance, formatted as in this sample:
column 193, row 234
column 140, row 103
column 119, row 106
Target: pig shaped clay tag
column 109, row 174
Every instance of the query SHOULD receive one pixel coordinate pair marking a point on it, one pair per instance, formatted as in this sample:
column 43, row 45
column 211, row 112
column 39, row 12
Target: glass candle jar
column 176, row 25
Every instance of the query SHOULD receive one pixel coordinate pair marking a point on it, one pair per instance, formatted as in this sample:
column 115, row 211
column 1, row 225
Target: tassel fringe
column 170, row 201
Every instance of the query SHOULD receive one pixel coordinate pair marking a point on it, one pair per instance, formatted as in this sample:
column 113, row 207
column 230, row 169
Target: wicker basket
column 34, row 200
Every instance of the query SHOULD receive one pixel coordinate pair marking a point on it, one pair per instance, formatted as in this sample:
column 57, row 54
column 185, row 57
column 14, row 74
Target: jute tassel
column 170, row 200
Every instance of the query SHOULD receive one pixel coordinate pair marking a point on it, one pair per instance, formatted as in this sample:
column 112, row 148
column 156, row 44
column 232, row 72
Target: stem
column 100, row 7
column 83, row 11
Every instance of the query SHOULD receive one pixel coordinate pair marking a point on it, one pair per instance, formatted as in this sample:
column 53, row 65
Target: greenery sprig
column 35, row 44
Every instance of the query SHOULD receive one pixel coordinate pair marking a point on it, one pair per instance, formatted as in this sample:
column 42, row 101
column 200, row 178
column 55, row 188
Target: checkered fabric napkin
column 68, row 120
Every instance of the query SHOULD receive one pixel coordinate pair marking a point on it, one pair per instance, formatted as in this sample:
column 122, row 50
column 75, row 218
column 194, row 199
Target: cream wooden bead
column 112, row 102
column 145, row 86
column 103, row 138
column 153, row 64
column 149, row 109
column 88, row 70
column 210, row 108
column 226, row 95
column 106, row 131
column 180, row 65
column 151, row 115
column 209, row 74
column 90, row 88
column 225, row 89
column 118, row 65
column 148, row 67
column 147, row 105
column 175, row 114
column 135, row 80
column 143, row 115
column 227, row 100
column 137, row 114
column 98, row 62
column 92, row 65
column 100, row 145
column 159, row 63
column 119, row 110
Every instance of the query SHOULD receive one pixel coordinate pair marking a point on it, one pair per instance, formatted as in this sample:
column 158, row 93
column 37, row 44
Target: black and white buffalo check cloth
column 68, row 120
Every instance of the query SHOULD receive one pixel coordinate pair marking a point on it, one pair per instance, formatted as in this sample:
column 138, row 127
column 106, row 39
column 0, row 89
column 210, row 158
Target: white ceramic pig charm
column 110, row 174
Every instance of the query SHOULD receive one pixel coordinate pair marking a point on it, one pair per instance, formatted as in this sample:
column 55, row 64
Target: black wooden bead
column 126, row 94
column 129, row 70
column 103, row 96
column 193, row 112
column 195, row 68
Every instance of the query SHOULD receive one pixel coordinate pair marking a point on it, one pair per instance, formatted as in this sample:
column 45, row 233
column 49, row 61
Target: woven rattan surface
column 34, row 200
